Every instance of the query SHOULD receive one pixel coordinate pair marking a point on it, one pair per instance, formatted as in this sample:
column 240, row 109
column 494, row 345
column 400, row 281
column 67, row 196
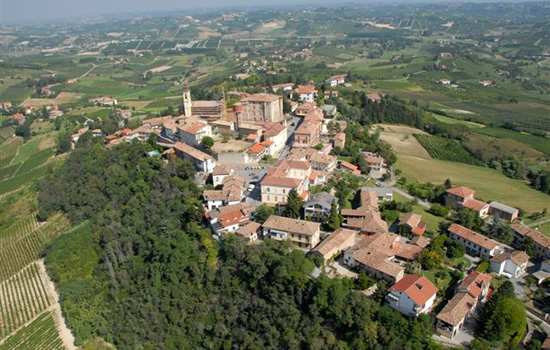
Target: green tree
column 294, row 204
column 63, row 142
column 335, row 219
column 207, row 142
column 470, row 219
column 263, row 212
column 287, row 107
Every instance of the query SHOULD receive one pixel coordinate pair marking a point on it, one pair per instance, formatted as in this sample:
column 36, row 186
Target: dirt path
column 65, row 333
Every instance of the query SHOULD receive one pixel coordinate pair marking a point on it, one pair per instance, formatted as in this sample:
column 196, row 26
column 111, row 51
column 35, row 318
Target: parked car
column 248, row 168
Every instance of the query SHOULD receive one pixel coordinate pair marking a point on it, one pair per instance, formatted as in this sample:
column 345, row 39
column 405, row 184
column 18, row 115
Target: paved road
column 423, row 203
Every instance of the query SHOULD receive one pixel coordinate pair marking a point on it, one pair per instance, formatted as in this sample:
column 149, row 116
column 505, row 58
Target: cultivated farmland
column 39, row 334
column 446, row 149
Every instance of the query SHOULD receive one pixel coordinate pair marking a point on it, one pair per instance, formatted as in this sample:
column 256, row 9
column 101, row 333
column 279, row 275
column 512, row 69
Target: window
column 284, row 191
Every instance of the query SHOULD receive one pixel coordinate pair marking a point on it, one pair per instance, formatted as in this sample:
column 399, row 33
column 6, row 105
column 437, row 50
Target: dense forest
column 140, row 271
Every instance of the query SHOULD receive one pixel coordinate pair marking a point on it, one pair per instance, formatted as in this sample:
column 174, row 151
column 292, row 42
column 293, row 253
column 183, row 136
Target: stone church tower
column 186, row 107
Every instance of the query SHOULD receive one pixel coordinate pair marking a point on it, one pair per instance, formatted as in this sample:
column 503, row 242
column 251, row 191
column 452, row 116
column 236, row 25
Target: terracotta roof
column 411, row 219
column 457, row 309
column 474, row 204
column 375, row 260
column 518, row 257
column 373, row 159
column 193, row 152
column 249, row 229
column 348, row 165
column 374, row 96
column 335, row 240
column 256, row 148
column 546, row 344
column 340, row 136
column 272, row 129
column 390, row 245
column 17, row 116
column 461, row 191
column 473, row 283
column 539, row 238
column 420, row 241
column 473, row 237
column 291, row 225
column 233, row 218
column 266, row 143
column 305, row 89
column 418, row 288
column 315, row 114
column 157, row 121
column 193, row 127
column 307, row 106
column 221, row 170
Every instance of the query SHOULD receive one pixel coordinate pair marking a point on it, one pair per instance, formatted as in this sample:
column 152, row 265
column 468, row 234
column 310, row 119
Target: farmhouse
column 336, row 80
column 287, row 87
column 375, row 264
column 463, row 197
column 219, row 173
column 304, row 234
column 412, row 295
column 339, row 140
column 18, row 117
column 374, row 97
column 192, row 133
column 231, row 192
column 541, row 241
column 304, row 108
column 375, row 162
column 349, row 168
column 382, row 193
column 337, row 242
column 104, row 100
column 475, row 243
column 486, row 82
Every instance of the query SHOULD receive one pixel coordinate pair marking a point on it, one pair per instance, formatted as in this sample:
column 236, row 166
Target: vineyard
column 22, row 298
column 6, row 133
column 40, row 334
column 446, row 149
column 20, row 246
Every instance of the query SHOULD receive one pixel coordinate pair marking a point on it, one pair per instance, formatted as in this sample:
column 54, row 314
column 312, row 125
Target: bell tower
column 186, row 101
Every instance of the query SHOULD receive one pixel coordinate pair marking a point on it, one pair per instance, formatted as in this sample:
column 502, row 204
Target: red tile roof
column 474, row 204
column 257, row 149
column 473, row 283
column 461, row 191
column 473, row 237
column 418, row 288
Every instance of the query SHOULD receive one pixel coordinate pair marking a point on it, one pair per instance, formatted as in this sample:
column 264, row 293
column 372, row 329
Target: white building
column 193, row 132
column 202, row 161
column 510, row 264
column 412, row 295
column 475, row 243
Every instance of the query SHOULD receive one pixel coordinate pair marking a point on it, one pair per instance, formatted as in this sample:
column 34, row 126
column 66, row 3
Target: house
column 287, row 87
column 463, row 197
column 275, row 133
column 472, row 292
column 257, row 152
column 54, row 113
column 330, row 93
column 349, row 168
column 191, row 133
column 323, row 162
column 339, row 140
column 366, row 221
column 318, row 206
column 374, row 97
column 219, row 173
column 226, row 219
column 546, row 344
column 445, row 55
column 336, row 242
column 503, row 212
column 445, row 81
column 486, row 82
column 125, row 113
column 231, row 192
column 202, row 161
column 375, row 162
column 250, row 231
column 158, row 122
column 104, row 100
column 412, row 295
column 475, row 243
column 412, row 224
column 306, row 93
column 260, row 108
column 510, row 264
column 304, row 234
column 382, row 193
column 18, row 117
column 540, row 240
column 142, row 133
column 304, row 108
column 336, row 80
column 284, row 176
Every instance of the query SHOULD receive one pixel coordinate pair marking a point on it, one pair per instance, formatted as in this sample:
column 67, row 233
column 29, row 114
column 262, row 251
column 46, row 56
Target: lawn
column 539, row 143
column 442, row 283
column 431, row 220
column 489, row 184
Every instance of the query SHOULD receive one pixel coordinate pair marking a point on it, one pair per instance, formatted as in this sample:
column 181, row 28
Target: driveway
column 423, row 203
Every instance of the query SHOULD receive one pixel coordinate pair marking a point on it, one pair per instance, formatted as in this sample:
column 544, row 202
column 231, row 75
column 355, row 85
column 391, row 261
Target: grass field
column 489, row 184
column 402, row 140
column 539, row 143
